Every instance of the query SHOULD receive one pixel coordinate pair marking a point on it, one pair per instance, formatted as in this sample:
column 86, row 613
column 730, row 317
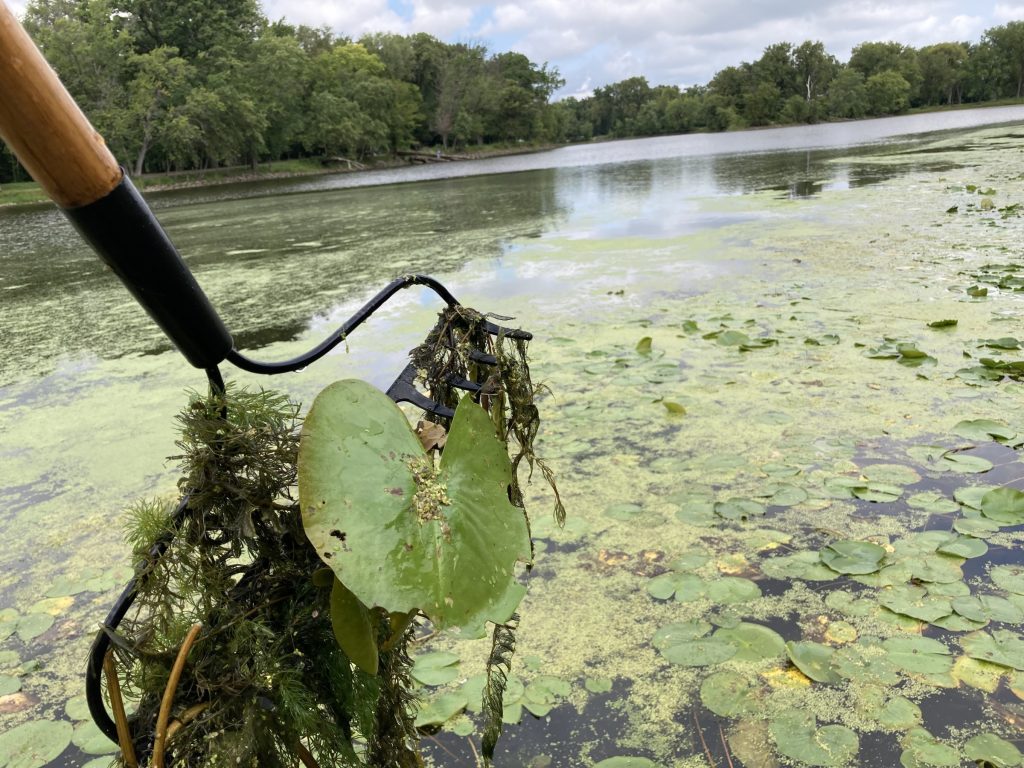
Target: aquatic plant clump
column 266, row 682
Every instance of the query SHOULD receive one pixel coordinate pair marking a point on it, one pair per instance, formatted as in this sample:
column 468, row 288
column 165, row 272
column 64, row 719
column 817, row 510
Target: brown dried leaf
column 431, row 435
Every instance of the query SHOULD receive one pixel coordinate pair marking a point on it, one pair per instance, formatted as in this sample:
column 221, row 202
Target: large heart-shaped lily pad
column 398, row 532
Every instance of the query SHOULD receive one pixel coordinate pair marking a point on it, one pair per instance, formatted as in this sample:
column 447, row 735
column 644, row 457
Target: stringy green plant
column 508, row 390
column 266, row 679
column 266, row 683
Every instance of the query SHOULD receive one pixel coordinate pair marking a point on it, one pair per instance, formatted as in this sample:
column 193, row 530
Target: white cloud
column 683, row 42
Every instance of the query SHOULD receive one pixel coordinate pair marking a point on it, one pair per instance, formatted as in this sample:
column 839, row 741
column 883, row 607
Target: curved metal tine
column 94, row 669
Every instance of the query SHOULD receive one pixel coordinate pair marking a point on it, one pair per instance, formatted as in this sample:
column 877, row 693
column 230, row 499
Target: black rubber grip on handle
column 127, row 236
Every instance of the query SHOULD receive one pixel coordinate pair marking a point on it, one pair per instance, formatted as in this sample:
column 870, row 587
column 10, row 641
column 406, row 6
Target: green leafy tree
column 888, row 93
column 874, row 58
column 847, row 96
column 815, row 68
column 1008, row 42
column 161, row 82
column 942, row 71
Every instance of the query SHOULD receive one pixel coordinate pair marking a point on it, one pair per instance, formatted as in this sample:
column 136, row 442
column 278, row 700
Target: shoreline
column 217, row 177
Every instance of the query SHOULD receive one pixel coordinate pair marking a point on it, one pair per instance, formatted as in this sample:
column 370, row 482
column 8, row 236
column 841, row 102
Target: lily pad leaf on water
column 627, row 762
column 877, row 492
column 853, row 557
column 399, row 533
column 685, row 586
column 34, row 744
column 797, row 737
column 989, row 749
column 699, row 653
column 964, row 546
column 983, row 608
column 732, row 589
column 1008, row 577
column 922, row 750
column 1001, row 647
column 729, row 694
column 441, row 708
column 1004, row 505
column 976, row 526
column 435, row 668
column 814, row 660
column 739, row 509
column 865, row 663
column 932, row 502
column 644, row 346
column 914, row 601
column 805, row 565
column 937, row 324
column 921, row 655
column 752, row 642
column 678, row 632
column 984, row 429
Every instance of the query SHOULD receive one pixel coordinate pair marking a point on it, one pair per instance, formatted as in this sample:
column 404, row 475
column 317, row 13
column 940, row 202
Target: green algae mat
column 789, row 446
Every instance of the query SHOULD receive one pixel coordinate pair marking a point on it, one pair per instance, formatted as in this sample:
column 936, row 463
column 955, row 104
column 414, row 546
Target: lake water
column 827, row 241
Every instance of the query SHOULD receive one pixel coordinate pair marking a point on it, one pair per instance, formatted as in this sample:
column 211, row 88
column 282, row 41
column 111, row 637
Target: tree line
column 194, row 84
column 806, row 84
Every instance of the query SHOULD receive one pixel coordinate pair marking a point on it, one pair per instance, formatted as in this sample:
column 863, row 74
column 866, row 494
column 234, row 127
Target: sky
column 670, row 42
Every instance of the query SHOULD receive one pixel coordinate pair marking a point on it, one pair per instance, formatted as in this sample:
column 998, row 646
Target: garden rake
column 55, row 142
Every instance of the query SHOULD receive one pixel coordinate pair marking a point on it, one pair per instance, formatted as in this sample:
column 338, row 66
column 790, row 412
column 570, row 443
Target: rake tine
column 508, row 333
column 403, row 391
column 462, row 383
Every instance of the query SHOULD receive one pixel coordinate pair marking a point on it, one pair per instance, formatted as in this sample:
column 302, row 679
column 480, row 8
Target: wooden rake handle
column 44, row 127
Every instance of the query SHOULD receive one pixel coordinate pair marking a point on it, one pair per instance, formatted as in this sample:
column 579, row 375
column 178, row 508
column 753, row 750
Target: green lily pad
column 398, row 533
column 34, row 744
column 971, row 495
column 988, row 608
column 814, row 660
column 598, row 684
column 752, row 642
column 31, row 625
column 865, row 663
column 91, row 740
column 978, row 527
column 729, row 694
column 899, row 713
column 626, row 762
column 914, row 601
column 1004, row 505
column 878, row 492
column 441, row 709
column 922, row 655
column 699, row 653
column 922, row 750
column 77, row 708
column 544, row 693
column 685, row 586
column 798, row 738
column 984, row 429
column 853, row 557
column 9, row 684
column 678, row 632
column 805, row 565
column 623, row 511
column 962, row 463
column 964, row 546
column 938, row 567
column 784, row 495
column 435, row 668
column 1009, row 578
column 934, row 503
column 644, row 346
column 989, row 749
column 1001, row 647
column 732, row 589
column 690, row 561
column 739, row 509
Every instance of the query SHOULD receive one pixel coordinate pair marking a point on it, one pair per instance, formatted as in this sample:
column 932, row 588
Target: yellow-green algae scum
column 760, row 331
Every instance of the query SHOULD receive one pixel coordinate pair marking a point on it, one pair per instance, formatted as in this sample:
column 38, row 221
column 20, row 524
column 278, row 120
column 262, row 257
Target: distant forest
column 192, row 84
